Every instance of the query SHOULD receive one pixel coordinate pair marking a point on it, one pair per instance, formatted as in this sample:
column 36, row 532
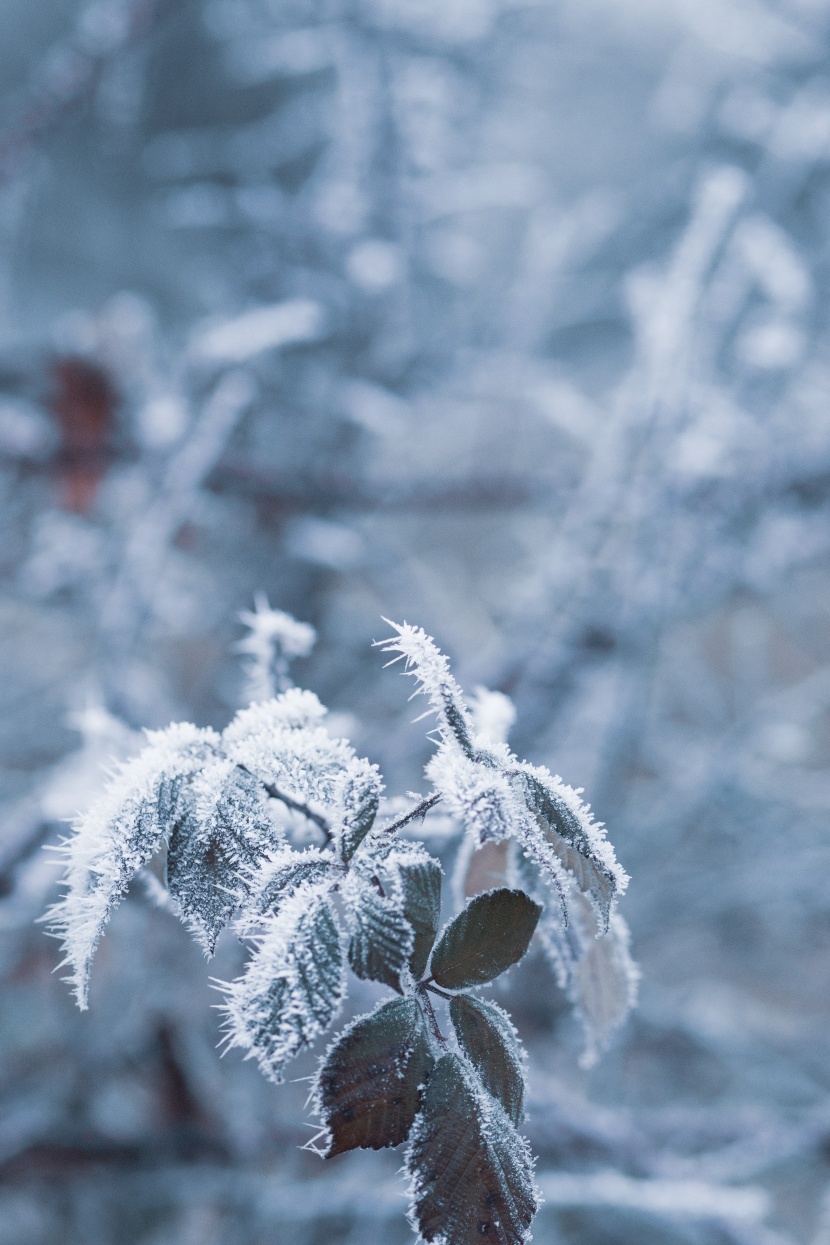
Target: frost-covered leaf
column 471, row 1174
column 358, row 798
column 431, row 670
column 222, row 833
column 492, row 932
column 421, row 883
column 496, row 796
column 381, row 941
column 283, row 743
column 486, row 1035
column 578, row 841
column 479, row 795
column 293, row 984
column 120, row 833
column 368, row 1086
column 597, row 972
column 277, row 879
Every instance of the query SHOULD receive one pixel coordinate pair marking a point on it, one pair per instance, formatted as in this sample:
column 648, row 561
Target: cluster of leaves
column 274, row 823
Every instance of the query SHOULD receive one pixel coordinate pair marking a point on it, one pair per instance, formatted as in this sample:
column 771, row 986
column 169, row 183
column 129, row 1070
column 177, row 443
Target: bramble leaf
column 471, row 1174
column 421, row 883
column 284, row 744
column 358, row 801
column 486, row 1035
column 430, row 668
column 492, row 933
column 279, row 877
column 122, row 830
column 578, row 841
column 597, row 973
column 293, row 983
column 381, row 941
column 368, row 1085
column 222, row 832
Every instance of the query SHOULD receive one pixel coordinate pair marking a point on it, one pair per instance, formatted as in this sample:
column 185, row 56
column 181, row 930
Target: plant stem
column 432, row 1019
column 420, row 810
column 299, row 807
column 444, row 994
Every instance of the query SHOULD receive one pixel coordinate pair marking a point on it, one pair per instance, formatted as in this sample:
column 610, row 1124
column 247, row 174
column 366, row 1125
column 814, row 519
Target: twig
column 432, row 1019
column 299, row 807
column 430, row 985
column 420, row 810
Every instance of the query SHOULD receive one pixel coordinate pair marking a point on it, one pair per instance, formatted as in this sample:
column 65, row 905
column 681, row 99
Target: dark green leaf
column 488, row 1039
column 381, row 942
column 471, row 1173
column 368, row 1085
column 492, row 933
column 422, row 908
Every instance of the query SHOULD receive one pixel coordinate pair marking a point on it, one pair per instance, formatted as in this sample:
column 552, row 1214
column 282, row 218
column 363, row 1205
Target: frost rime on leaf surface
column 431, row 670
column 293, row 985
column 382, row 938
column 223, row 832
column 471, row 1174
column 283, row 743
column 277, row 879
column 478, row 795
column 496, row 796
column 119, row 834
column 356, row 806
column 578, row 841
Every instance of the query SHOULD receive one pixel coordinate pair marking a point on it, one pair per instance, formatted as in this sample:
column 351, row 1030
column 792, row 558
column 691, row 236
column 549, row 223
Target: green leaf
column 486, row 1035
column 471, row 1173
column 421, row 884
column 492, row 933
column 368, row 1085
column 381, row 941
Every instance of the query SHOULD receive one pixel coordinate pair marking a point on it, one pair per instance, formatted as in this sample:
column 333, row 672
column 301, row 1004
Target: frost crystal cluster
column 274, row 826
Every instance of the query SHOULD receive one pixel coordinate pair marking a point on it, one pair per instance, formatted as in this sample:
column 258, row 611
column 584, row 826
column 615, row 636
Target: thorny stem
column 299, row 807
column 420, row 810
column 432, row 1019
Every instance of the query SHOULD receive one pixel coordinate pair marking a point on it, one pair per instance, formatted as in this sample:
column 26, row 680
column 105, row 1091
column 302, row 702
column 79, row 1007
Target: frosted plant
column 273, row 824
column 274, row 639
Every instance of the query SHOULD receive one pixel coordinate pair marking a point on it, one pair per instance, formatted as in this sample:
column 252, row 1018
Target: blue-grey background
column 507, row 318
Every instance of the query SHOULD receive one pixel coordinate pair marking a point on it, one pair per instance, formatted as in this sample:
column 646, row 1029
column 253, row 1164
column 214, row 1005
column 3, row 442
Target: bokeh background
column 509, row 318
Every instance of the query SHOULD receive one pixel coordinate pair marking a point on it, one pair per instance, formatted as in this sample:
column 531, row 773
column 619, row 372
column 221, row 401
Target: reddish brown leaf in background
column 83, row 401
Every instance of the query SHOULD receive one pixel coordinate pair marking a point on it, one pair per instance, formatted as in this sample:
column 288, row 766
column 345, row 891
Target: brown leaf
column 368, row 1086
